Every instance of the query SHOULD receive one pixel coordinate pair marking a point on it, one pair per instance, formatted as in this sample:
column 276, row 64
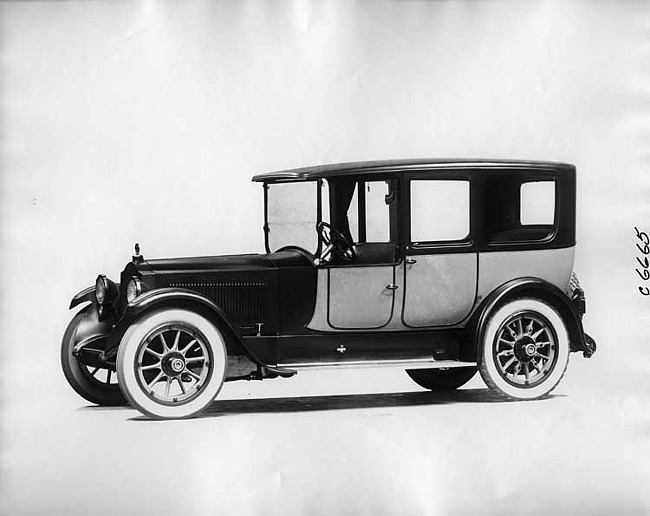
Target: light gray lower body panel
column 439, row 289
column 552, row 265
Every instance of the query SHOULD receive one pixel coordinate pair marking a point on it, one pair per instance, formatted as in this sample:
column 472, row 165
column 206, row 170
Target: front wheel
column 442, row 379
column 172, row 364
column 92, row 382
column 525, row 349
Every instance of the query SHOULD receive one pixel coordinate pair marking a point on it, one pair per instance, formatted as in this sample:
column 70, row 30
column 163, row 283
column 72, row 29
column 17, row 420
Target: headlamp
column 101, row 288
column 133, row 289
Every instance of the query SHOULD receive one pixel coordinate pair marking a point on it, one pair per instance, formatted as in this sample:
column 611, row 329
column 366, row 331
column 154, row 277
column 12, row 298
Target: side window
column 537, row 203
column 353, row 215
column 439, row 210
column 377, row 212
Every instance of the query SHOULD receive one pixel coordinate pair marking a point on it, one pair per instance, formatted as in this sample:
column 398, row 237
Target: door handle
column 411, row 261
column 392, row 286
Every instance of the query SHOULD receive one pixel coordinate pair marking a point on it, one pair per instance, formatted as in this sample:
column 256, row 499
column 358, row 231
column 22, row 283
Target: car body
column 440, row 267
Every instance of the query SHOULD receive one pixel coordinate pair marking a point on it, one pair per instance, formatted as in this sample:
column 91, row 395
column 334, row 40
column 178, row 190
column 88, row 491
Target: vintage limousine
column 439, row 267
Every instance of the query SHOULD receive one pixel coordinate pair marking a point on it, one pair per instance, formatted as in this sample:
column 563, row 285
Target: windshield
column 292, row 215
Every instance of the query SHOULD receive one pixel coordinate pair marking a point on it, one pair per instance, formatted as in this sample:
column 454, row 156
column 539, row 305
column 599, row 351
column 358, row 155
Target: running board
column 408, row 364
column 280, row 371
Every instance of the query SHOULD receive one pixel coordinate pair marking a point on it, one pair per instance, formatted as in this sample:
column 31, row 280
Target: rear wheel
column 442, row 379
column 525, row 349
column 172, row 364
column 95, row 384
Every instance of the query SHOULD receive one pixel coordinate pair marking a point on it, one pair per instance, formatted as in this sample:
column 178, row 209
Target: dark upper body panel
column 198, row 263
column 235, row 262
column 277, row 290
column 402, row 165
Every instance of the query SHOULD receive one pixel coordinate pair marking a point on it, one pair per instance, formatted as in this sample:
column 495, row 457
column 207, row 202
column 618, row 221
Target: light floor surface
column 338, row 442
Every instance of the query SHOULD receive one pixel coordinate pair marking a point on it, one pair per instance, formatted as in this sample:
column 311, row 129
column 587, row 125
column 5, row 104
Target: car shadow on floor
column 221, row 408
column 99, row 408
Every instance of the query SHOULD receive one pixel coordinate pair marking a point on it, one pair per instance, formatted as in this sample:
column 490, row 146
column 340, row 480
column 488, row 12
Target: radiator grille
column 243, row 301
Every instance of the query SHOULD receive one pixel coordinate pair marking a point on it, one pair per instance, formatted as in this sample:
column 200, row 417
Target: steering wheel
column 335, row 241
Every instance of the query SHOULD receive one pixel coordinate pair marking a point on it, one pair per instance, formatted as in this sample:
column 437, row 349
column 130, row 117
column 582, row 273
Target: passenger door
column 361, row 295
column 440, row 269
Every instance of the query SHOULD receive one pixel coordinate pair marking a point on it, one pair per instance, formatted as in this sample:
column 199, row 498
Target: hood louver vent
column 243, row 301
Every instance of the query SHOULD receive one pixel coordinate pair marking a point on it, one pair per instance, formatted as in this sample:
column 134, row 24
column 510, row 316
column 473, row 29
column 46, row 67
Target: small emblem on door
column 341, row 349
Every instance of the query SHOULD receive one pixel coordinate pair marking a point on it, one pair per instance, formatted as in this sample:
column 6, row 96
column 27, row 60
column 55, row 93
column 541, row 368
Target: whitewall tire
column 525, row 349
column 172, row 363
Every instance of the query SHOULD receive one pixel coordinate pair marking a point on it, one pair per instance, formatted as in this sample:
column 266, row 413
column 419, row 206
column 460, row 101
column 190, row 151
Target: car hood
column 229, row 262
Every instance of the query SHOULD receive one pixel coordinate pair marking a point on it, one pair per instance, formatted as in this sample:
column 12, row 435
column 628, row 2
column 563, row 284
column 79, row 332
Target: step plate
column 408, row 364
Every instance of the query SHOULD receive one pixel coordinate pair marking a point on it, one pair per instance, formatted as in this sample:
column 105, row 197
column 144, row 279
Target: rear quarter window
column 519, row 210
column 537, row 203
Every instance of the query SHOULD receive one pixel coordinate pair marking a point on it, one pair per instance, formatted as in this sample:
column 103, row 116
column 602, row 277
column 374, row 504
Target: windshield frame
column 319, row 211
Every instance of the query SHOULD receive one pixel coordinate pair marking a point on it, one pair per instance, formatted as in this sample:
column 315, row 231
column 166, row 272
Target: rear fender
column 539, row 289
column 189, row 300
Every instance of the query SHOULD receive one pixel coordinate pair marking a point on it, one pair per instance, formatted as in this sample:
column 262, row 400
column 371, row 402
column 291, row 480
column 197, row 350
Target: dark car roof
column 393, row 165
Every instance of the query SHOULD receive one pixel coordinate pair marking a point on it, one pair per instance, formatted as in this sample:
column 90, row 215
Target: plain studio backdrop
column 126, row 122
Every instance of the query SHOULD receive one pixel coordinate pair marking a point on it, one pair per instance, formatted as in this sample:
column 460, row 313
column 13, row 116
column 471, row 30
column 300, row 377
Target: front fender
column 191, row 300
column 87, row 294
column 541, row 289
column 86, row 335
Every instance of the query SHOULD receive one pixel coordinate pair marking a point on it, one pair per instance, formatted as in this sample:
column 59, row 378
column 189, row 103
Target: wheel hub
column 524, row 348
column 173, row 364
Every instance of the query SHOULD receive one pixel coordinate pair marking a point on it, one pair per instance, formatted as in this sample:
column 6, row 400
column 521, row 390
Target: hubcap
column 173, row 364
column 524, row 349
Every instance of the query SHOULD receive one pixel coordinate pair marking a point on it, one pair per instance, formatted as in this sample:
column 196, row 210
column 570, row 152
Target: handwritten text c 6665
column 644, row 248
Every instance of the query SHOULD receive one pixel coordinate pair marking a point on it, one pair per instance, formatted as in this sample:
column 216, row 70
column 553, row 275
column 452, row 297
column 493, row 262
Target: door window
column 377, row 212
column 439, row 210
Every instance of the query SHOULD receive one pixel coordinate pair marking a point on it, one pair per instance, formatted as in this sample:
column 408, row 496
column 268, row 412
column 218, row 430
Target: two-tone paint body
column 409, row 304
